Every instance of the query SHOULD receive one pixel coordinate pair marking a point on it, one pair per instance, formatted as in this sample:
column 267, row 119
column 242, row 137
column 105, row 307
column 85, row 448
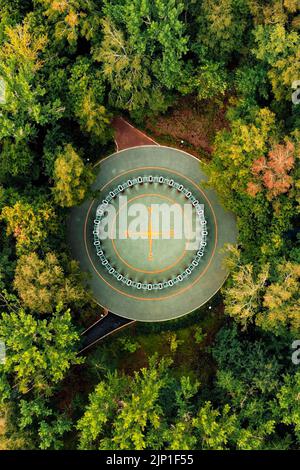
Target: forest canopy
column 67, row 67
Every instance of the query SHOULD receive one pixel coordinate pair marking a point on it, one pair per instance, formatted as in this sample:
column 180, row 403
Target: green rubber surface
column 165, row 257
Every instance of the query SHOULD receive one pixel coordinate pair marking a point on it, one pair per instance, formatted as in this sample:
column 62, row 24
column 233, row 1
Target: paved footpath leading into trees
column 126, row 136
column 105, row 326
column 136, row 151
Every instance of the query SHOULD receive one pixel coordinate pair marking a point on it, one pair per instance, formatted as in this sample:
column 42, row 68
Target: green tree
column 39, row 352
column 86, row 95
column 21, row 61
column 17, row 160
column 235, row 152
column 42, row 283
column 124, row 413
column 50, row 425
column 250, row 373
column 208, row 429
column 208, row 81
column 12, row 14
column 289, row 397
column 267, row 297
column 222, row 28
column 142, row 50
column 30, row 224
column 281, row 300
column 243, row 297
column 71, row 20
column 279, row 49
column 214, row 428
column 231, row 172
column 72, row 178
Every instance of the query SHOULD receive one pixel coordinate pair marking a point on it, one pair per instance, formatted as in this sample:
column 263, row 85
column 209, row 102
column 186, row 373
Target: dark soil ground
column 189, row 125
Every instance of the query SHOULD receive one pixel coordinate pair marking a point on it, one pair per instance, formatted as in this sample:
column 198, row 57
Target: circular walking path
column 141, row 265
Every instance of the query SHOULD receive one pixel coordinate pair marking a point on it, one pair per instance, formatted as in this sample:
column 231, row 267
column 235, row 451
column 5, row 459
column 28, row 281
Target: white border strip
column 97, row 321
column 154, row 146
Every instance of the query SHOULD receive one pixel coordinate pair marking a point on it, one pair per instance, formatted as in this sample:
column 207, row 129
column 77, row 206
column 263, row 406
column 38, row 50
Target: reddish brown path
column 127, row 136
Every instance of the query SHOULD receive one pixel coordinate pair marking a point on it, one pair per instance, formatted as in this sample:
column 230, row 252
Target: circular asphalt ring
column 168, row 259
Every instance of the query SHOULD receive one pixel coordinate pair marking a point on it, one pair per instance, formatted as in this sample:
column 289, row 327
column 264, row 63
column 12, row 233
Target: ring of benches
column 125, row 280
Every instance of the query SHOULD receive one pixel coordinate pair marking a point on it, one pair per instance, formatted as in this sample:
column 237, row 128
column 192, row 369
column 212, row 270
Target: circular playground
column 151, row 238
